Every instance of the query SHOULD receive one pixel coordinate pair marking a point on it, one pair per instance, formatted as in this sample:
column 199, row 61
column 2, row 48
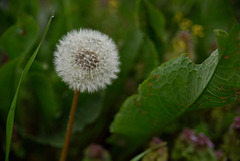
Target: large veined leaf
column 179, row 85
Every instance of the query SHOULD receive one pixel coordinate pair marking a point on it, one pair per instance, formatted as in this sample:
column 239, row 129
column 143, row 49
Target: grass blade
column 11, row 113
column 138, row 157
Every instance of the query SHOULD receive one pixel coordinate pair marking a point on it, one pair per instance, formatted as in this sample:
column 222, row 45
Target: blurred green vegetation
column 147, row 34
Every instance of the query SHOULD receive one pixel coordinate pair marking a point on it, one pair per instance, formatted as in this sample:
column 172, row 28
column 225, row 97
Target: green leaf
column 17, row 7
column 88, row 110
column 138, row 157
column 179, row 85
column 151, row 21
column 156, row 20
column 19, row 39
column 11, row 113
column 148, row 58
column 45, row 96
column 6, row 86
column 130, row 50
column 224, row 85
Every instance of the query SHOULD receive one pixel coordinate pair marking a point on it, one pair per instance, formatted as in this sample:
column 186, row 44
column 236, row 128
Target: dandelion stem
column 69, row 126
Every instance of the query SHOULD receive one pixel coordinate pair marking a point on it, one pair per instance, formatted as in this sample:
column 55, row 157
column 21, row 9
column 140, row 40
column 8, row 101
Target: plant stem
column 69, row 126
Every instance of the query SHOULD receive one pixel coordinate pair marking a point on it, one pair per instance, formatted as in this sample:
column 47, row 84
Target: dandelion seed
column 86, row 60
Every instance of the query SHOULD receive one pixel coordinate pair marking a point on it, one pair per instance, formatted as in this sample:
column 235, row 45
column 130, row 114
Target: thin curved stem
column 69, row 126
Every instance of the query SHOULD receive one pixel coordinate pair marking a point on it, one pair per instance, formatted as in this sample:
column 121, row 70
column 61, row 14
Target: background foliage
column 147, row 33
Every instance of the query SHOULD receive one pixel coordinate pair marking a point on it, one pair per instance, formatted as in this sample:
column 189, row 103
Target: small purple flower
column 200, row 140
column 185, row 35
column 155, row 141
column 94, row 151
column 219, row 154
column 204, row 141
column 236, row 125
column 188, row 135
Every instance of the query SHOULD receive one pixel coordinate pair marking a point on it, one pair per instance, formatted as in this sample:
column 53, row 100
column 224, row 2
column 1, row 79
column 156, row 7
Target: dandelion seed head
column 87, row 60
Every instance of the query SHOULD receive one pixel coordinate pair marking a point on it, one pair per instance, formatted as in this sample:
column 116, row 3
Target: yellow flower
column 113, row 3
column 185, row 24
column 197, row 30
column 179, row 45
column 178, row 17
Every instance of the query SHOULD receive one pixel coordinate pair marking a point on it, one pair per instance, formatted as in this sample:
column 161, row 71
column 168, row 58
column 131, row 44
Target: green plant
column 174, row 74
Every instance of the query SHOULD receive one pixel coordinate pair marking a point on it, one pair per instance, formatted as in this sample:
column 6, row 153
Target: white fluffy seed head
column 87, row 60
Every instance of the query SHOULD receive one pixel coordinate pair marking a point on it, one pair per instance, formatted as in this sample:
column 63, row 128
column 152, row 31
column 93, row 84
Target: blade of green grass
column 10, row 118
column 139, row 156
